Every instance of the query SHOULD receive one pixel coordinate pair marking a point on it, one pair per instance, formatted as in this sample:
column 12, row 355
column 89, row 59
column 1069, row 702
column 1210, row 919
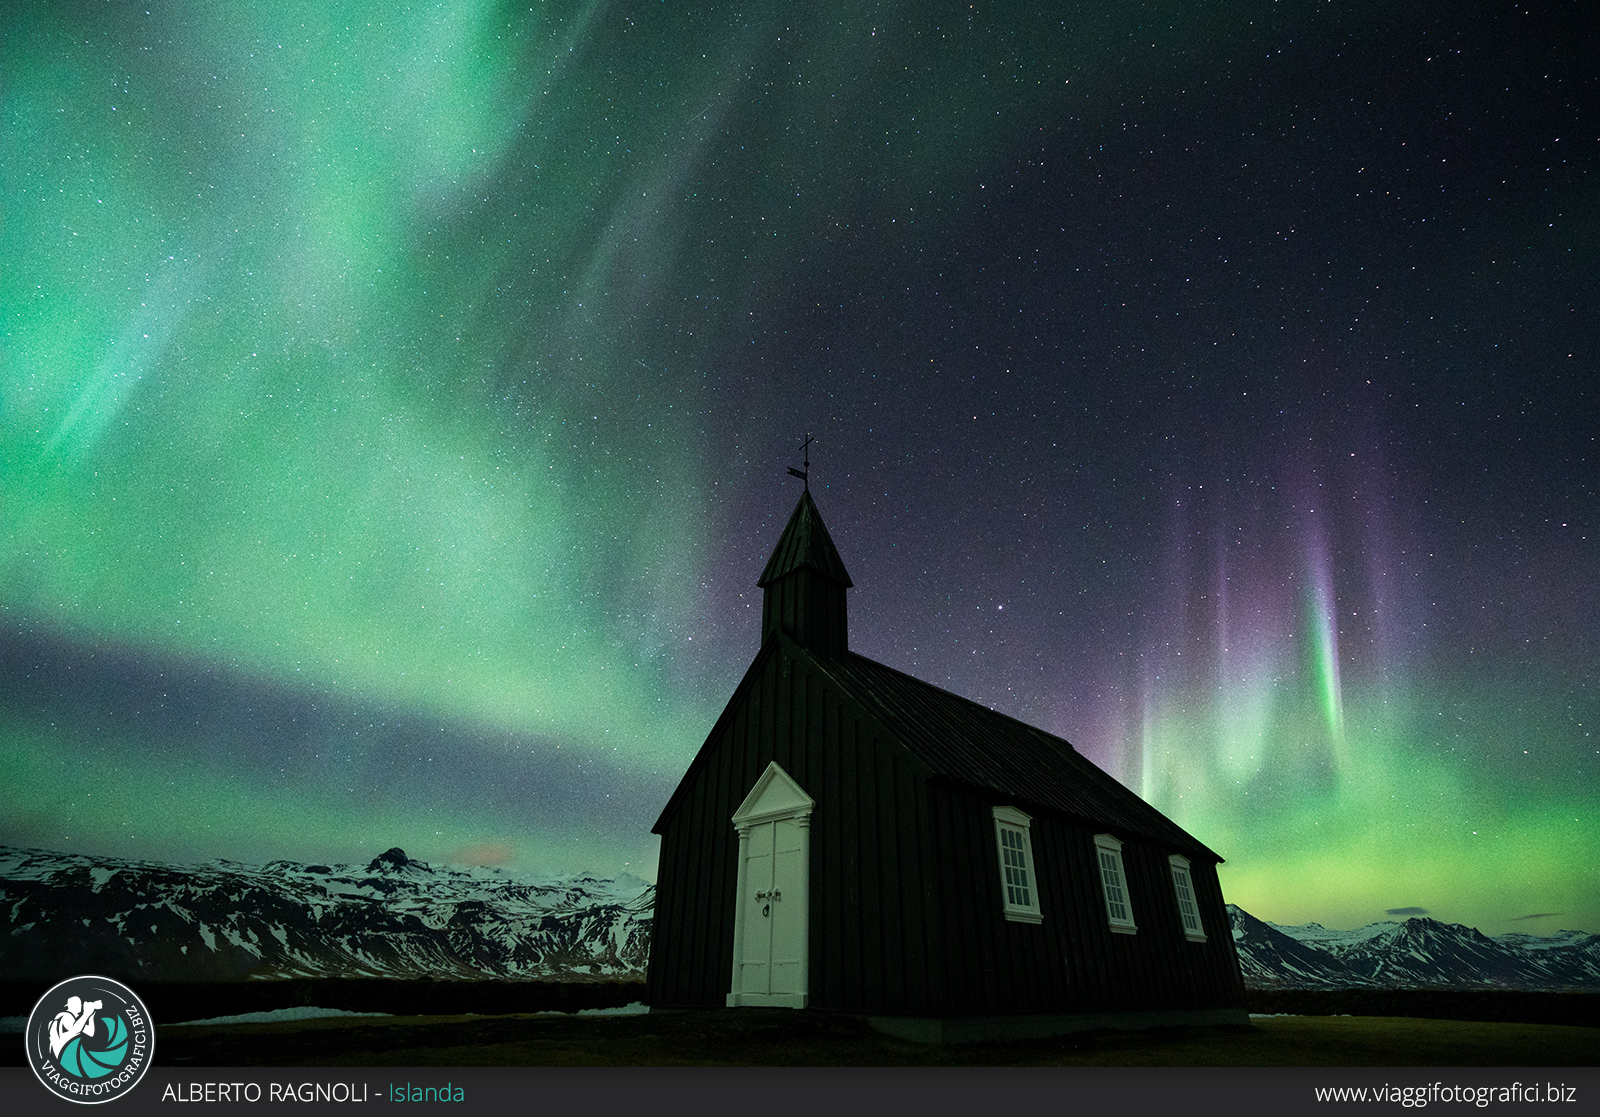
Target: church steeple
column 804, row 583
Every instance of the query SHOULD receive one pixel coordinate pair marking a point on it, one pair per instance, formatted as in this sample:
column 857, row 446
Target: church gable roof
column 805, row 542
column 954, row 738
column 752, row 677
column 971, row 744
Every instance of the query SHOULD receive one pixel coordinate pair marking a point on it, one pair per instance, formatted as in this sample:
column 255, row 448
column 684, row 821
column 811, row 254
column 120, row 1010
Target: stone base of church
column 981, row 1029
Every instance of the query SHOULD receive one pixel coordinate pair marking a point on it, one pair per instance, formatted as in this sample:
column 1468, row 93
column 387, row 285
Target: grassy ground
column 776, row 1038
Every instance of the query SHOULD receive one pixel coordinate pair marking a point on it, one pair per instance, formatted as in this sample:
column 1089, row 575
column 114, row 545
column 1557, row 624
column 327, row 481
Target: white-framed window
column 1188, row 907
column 1114, row 884
column 1019, row 883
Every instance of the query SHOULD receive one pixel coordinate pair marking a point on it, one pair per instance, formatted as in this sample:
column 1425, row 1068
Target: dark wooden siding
column 1073, row 961
column 810, row 608
column 905, row 902
column 874, row 900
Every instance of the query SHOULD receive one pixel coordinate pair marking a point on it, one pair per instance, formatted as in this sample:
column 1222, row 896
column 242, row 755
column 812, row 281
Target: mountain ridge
column 397, row 917
column 1418, row 953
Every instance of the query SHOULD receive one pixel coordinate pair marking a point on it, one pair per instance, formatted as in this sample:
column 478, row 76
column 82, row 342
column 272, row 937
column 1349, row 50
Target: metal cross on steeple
column 805, row 474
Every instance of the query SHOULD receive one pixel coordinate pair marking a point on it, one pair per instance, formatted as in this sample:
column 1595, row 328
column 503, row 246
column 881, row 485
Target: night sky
column 395, row 406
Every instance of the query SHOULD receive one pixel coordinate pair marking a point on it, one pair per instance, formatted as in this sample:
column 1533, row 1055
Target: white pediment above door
column 775, row 795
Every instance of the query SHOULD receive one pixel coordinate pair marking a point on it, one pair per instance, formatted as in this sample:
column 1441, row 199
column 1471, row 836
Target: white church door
column 771, row 917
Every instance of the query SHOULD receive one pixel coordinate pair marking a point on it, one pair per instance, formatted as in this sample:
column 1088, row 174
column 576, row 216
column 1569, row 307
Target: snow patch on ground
column 635, row 1009
column 272, row 1016
column 279, row 1015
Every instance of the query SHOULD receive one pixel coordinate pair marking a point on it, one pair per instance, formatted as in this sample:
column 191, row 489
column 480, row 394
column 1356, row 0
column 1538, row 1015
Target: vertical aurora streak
column 1322, row 615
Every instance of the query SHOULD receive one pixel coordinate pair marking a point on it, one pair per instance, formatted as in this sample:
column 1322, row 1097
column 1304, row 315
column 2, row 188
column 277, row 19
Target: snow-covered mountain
column 1419, row 953
column 70, row 913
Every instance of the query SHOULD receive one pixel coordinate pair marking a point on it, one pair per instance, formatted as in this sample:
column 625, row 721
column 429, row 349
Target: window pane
column 1014, row 862
column 1186, row 905
column 1111, row 877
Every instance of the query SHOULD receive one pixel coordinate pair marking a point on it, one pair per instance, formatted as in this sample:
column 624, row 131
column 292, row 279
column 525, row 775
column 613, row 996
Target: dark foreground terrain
column 754, row 1037
column 177, row 1001
column 519, row 1023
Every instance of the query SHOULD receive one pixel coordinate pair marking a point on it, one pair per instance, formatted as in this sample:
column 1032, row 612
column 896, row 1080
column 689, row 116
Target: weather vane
column 804, row 474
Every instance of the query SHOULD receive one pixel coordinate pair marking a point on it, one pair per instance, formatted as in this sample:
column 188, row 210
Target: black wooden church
column 852, row 839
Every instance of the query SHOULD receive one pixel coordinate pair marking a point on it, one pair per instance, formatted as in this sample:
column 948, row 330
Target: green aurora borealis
column 394, row 406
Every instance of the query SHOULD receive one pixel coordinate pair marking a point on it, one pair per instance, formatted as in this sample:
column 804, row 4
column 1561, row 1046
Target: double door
column 774, row 911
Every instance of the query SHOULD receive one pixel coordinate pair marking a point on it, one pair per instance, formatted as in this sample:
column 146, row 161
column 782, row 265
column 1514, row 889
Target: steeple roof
column 805, row 542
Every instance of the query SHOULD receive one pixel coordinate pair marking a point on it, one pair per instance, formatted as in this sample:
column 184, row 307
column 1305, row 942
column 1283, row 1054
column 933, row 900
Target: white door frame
column 775, row 798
